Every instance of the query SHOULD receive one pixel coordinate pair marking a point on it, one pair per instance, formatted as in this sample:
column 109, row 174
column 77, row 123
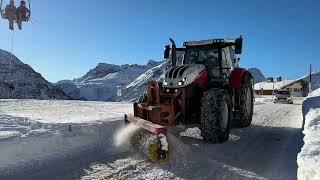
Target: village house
column 298, row 88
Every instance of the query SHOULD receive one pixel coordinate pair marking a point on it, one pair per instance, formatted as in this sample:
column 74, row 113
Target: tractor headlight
column 182, row 82
column 165, row 83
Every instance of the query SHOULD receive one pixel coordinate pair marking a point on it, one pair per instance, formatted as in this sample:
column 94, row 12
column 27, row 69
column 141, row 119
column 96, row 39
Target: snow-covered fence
column 309, row 158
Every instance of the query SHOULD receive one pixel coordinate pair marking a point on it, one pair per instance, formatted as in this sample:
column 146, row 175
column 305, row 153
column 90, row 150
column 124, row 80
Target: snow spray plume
column 180, row 151
column 123, row 135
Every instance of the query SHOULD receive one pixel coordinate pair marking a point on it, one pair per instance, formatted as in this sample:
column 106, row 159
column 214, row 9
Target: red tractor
column 204, row 86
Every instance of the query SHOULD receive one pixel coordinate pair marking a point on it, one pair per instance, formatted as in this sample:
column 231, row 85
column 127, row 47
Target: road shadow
column 267, row 151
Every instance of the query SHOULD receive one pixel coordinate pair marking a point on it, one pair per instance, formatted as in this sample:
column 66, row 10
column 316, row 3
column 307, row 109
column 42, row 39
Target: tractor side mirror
column 166, row 52
column 238, row 45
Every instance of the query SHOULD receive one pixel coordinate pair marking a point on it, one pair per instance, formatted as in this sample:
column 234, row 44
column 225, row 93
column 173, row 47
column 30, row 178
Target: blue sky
column 67, row 38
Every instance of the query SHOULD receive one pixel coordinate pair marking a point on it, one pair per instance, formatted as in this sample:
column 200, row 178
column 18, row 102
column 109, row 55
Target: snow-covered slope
column 28, row 83
column 69, row 87
column 309, row 157
column 134, row 90
column 100, row 83
column 100, row 71
column 257, row 74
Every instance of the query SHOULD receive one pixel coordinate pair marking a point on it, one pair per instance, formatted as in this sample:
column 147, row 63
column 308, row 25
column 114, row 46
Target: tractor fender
column 236, row 77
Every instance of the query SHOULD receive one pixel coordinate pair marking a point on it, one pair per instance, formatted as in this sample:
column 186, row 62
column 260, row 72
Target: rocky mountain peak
column 257, row 74
column 28, row 83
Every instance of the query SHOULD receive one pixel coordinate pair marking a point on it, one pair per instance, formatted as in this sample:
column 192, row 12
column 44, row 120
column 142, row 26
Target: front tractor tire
column 216, row 116
column 246, row 102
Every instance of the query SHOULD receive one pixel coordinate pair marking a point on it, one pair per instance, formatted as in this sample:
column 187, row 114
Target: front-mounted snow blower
column 204, row 86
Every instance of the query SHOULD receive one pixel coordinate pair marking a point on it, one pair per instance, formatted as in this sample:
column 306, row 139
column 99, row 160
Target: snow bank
column 309, row 157
column 51, row 111
column 36, row 133
column 315, row 93
column 263, row 99
column 9, row 134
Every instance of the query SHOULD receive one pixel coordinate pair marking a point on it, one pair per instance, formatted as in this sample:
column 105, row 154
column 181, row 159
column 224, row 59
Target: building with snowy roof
column 298, row 88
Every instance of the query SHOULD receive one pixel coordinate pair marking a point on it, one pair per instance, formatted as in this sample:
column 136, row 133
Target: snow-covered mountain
column 100, row 71
column 133, row 91
column 69, row 87
column 257, row 74
column 28, row 83
column 101, row 82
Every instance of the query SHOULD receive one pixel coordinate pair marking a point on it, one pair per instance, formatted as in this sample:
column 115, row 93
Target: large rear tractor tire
column 216, row 116
column 246, row 102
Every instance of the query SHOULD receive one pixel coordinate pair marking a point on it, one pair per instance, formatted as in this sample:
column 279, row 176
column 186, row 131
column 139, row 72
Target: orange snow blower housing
column 159, row 109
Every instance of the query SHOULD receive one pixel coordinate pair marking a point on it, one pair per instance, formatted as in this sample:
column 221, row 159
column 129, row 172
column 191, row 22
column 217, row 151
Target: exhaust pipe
column 173, row 53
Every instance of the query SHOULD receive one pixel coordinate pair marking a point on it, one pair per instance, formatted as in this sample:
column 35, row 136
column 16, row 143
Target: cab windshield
column 198, row 55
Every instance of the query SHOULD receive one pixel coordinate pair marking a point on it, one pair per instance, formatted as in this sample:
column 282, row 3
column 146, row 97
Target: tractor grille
column 176, row 72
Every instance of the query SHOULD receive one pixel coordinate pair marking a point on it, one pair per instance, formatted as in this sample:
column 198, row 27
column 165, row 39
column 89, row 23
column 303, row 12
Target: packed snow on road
column 88, row 140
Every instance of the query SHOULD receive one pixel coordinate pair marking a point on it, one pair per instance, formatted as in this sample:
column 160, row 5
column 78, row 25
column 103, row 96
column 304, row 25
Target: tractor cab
column 217, row 55
column 215, row 58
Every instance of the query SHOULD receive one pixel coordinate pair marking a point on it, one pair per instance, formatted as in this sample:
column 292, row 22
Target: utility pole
column 310, row 79
column 273, row 89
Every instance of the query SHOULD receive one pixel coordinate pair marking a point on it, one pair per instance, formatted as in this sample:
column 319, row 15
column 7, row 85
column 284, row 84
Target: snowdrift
column 32, row 139
column 309, row 157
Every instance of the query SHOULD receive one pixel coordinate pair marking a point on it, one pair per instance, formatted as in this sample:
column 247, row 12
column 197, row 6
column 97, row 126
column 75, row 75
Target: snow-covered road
column 41, row 147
